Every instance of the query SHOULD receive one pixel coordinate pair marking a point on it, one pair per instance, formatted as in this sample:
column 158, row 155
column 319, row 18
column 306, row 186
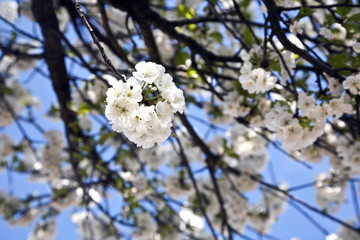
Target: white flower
column 291, row 136
column 326, row 33
column 63, row 18
column 332, row 236
column 118, row 110
column 353, row 84
column 246, row 69
column 297, row 27
column 249, row 85
column 337, row 107
column 9, row 10
column 110, row 79
column 258, row 81
column 191, row 219
column 356, row 47
column 148, row 71
column 318, row 113
column 133, row 91
column 245, row 56
column 165, row 46
column 175, row 97
column 164, row 113
column 285, row 3
column 340, row 31
column 334, row 86
column 164, row 82
column 306, row 103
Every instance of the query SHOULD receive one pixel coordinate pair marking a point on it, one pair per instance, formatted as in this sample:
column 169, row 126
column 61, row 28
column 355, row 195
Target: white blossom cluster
column 330, row 191
column 232, row 105
column 255, row 80
column 335, row 32
column 345, row 233
column 264, row 214
column 45, row 163
column 298, row 133
column 15, row 100
column 9, row 205
column 143, row 107
column 6, row 149
column 146, row 226
column 13, row 209
column 44, row 230
column 90, row 226
column 349, row 152
column 237, row 205
column 251, row 156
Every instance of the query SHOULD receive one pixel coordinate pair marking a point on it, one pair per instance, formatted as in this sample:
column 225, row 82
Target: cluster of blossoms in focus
column 143, row 107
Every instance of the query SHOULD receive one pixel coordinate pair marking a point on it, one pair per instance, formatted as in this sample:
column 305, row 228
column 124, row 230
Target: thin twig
column 97, row 43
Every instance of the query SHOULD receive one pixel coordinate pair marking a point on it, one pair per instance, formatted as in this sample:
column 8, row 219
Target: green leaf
column 106, row 135
column 343, row 11
column 60, row 193
column 355, row 17
column 85, row 148
column 190, row 99
column 352, row 26
column 305, row 122
column 84, row 108
column 338, row 60
column 70, row 54
column 345, row 72
column 304, row 12
column 232, row 154
column 181, row 11
column 54, row 112
column 14, row 36
column 190, row 13
column 6, row 90
column 248, row 37
column 244, row 3
column 78, row 156
column 216, row 36
column 119, row 183
column 191, row 73
column 192, row 27
column 181, row 57
column 355, row 62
